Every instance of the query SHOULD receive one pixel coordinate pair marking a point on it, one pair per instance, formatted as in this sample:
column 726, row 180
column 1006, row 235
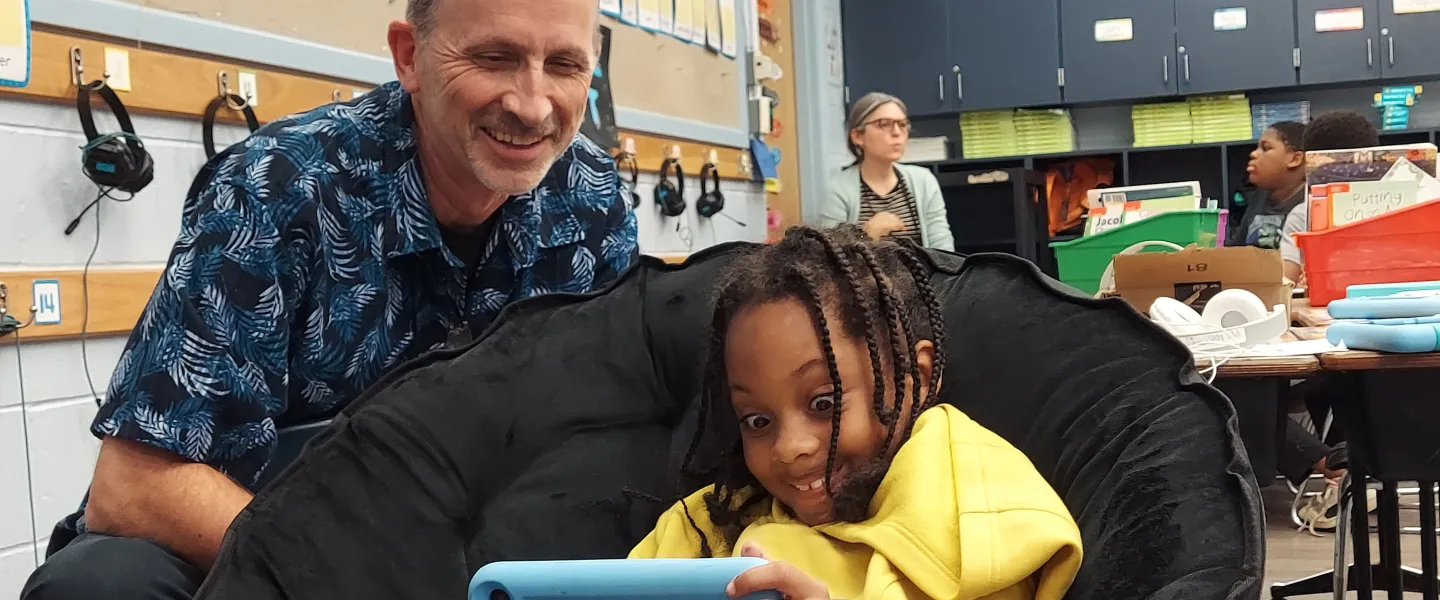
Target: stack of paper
column 1044, row 131
column 1220, row 118
column 987, row 134
column 1262, row 116
column 1164, row 124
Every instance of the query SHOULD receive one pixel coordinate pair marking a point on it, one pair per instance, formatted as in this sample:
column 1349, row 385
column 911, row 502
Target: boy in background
column 1339, row 130
column 1277, row 170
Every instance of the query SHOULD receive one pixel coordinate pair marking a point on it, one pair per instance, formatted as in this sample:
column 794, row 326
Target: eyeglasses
column 895, row 125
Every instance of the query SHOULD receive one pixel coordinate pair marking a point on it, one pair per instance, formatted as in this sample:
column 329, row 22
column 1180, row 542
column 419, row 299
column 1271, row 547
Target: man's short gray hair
column 421, row 14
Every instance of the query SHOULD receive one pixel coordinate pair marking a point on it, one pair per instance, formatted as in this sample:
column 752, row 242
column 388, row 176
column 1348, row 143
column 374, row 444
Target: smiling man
column 325, row 250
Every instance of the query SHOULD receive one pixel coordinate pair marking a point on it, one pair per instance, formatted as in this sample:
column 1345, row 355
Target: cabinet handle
column 1165, row 67
column 1369, row 52
column 942, row 87
column 1187, row 68
column 959, row 87
column 1391, row 39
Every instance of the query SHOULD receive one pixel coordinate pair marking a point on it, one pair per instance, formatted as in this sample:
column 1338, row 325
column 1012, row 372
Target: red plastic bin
column 1396, row 247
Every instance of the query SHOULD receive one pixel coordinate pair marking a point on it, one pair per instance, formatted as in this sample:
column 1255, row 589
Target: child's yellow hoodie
column 961, row 514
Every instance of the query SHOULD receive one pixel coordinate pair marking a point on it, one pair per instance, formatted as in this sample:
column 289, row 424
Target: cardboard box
column 1195, row 274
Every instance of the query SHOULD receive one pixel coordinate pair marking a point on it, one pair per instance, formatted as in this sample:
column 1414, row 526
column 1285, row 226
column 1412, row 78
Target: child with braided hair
column 829, row 453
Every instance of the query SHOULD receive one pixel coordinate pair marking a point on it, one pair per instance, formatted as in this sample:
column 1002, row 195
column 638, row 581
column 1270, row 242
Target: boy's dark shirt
column 1263, row 221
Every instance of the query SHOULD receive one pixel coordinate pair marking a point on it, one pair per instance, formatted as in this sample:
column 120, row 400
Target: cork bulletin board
column 649, row 72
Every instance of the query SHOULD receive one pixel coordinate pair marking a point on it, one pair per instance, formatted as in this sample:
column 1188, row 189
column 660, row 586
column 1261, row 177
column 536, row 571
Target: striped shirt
column 899, row 202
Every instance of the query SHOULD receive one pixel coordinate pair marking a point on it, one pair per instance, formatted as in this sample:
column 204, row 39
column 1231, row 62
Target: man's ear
column 403, row 48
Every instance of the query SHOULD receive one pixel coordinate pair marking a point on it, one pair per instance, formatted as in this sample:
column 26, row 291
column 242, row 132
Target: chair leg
column 1430, row 588
column 1342, row 526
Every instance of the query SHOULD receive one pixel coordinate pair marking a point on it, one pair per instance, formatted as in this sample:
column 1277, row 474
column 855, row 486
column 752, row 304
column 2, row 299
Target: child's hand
column 791, row 582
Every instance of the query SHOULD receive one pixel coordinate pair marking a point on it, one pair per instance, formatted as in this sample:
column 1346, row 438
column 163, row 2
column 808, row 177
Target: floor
column 1292, row 554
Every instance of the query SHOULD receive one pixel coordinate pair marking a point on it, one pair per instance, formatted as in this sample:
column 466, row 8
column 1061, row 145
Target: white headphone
column 1232, row 318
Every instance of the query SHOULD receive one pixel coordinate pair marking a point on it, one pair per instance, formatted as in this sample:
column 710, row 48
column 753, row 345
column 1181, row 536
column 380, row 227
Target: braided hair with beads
column 852, row 286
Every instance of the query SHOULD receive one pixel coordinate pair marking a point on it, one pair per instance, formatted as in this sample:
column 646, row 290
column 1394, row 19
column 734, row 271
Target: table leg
column 1389, row 534
column 1427, row 541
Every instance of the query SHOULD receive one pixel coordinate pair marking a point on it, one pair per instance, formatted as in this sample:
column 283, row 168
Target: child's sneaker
column 1320, row 513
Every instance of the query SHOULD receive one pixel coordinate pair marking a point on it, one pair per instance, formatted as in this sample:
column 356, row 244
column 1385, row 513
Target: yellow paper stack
column 1163, row 124
column 1220, row 118
column 987, row 134
column 1044, row 131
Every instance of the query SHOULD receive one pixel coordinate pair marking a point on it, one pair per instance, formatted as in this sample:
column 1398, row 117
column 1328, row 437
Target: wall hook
column 222, row 84
column 77, row 71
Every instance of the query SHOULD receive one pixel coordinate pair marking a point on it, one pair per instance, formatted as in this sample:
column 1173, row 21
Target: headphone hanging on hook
column 230, row 100
column 627, row 159
column 712, row 200
column 669, row 196
column 114, row 160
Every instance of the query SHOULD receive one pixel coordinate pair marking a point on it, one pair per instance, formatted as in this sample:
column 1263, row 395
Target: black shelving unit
column 989, row 213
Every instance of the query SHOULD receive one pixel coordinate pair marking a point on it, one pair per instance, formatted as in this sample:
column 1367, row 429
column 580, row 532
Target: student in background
column 1277, row 170
column 1337, row 130
column 1330, row 131
column 882, row 196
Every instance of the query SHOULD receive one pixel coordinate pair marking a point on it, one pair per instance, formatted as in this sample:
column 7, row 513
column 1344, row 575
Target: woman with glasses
column 883, row 196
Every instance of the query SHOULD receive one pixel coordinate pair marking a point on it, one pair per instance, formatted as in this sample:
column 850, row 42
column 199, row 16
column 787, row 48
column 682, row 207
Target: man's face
column 503, row 84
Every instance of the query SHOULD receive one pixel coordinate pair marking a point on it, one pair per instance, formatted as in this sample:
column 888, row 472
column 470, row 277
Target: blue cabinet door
column 1233, row 45
column 1118, row 49
column 1339, row 40
column 1005, row 53
column 899, row 47
column 1411, row 44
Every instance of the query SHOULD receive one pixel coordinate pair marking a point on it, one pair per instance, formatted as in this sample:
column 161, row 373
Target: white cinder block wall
column 46, row 451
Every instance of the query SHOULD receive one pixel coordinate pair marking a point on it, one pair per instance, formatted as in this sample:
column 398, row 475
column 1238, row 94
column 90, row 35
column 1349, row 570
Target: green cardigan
column 842, row 204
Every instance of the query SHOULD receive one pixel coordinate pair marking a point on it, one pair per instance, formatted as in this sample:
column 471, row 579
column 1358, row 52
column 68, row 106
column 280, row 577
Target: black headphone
column 669, row 196
column 712, row 201
column 114, row 160
column 207, row 126
column 628, row 158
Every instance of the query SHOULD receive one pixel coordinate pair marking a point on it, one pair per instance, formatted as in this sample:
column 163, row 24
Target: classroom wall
column 820, row 86
column 46, row 452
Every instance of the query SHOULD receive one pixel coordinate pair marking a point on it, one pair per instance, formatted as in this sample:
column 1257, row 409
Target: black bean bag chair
column 559, row 434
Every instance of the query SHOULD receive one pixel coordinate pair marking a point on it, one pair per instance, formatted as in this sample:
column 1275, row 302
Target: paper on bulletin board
column 610, row 7
column 1114, row 30
column 1339, row 19
column 729, row 29
column 698, row 20
column 684, row 20
column 1231, row 19
column 630, row 12
column 1404, row 7
column 667, row 17
column 14, row 43
column 712, row 24
column 650, row 15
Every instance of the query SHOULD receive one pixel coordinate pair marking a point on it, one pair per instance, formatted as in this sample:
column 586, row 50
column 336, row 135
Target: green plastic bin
column 1082, row 261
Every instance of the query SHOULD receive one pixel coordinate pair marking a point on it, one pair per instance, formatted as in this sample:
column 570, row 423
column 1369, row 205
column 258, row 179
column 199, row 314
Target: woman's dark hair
column 1340, row 130
column 876, row 291
column 1291, row 134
